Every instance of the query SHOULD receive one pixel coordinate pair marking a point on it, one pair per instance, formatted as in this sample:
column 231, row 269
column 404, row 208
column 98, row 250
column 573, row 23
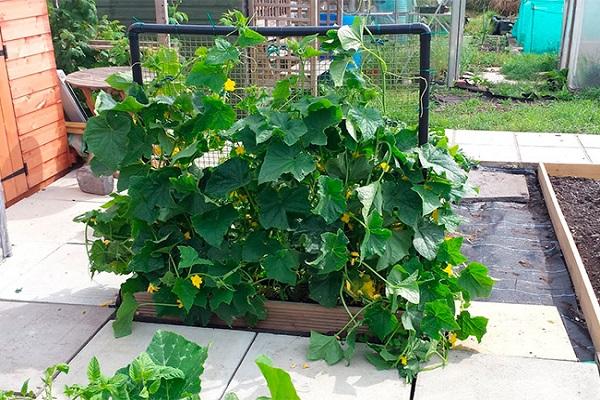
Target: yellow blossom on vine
column 368, row 289
column 354, row 254
column 345, row 218
column 452, row 338
column 448, row 270
column 179, row 304
column 403, row 360
column 349, row 286
column 175, row 151
column 348, row 193
column 240, row 150
column 156, row 150
column 152, row 288
column 229, row 85
column 385, row 167
column 106, row 242
column 320, row 166
column 196, row 280
column 435, row 215
column 187, row 236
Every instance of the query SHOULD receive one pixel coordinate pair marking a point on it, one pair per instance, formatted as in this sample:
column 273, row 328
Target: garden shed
column 33, row 139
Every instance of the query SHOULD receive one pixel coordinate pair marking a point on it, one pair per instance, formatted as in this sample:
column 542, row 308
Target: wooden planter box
column 282, row 317
column 581, row 282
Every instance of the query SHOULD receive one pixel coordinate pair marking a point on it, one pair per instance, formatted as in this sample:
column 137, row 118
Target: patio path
column 51, row 311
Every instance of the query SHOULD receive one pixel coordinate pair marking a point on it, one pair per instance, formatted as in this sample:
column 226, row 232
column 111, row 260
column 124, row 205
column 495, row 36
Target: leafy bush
column 529, row 66
column 321, row 198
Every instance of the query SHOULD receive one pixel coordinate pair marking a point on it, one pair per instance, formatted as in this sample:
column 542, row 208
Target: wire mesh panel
column 397, row 62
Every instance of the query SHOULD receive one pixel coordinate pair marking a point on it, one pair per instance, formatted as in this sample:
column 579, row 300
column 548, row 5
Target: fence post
column 456, row 40
column 161, row 9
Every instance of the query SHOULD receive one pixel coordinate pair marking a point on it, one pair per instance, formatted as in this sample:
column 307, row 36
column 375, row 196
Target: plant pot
column 282, row 317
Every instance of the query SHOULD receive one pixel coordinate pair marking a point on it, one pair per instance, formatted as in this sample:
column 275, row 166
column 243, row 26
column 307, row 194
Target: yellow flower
column 435, row 215
column 354, row 254
column 345, row 218
column 229, row 85
column 187, row 236
column 152, row 288
column 320, row 166
column 156, row 150
column 452, row 338
column 385, row 167
column 175, row 151
column 179, row 304
column 368, row 289
column 106, row 242
column 448, row 270
column 240, row 150
column 196, row 280
column 403, row 360
column 348, row 193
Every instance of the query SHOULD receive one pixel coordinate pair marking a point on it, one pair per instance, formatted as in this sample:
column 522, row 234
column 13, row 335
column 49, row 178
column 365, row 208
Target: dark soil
column 579, row 200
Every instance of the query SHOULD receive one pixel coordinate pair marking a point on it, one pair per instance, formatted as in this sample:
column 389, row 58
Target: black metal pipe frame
column 401, row 29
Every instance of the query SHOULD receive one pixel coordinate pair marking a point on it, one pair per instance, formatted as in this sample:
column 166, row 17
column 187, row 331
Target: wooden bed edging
column 581, row 281
column 282, row 317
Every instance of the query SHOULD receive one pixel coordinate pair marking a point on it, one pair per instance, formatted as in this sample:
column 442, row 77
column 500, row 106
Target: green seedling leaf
column 323, row 347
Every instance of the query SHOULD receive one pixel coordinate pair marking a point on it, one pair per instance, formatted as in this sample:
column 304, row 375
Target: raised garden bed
column 568, row 192
column 283, row 317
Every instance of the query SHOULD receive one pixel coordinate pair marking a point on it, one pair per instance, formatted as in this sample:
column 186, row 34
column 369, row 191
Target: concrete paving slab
column 525, row 330
column 226, row 350
column 42, row 220
column 590, row 141
column 63, row 277
column 547, row 140
column 554, row 154
column 594, row 154
column 315, row 380
column 481, row 377
column 66, row 188
column 480, row 152
column 499, row 186
column 488, row 138
column 25, row 256
column 35, row 336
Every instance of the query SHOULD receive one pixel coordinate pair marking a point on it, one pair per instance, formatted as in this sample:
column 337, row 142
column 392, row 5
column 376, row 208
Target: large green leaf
column 476, row 281
column 323, row 347
column 441, row 162
column 407, row 288
column 370, row 196
column 396, row 248
column 227, row 177
column 351, row 36
column 398, row 198
column 185, row 291
column 249, row 38
column 332, row 198
column 279, row 382
column 431, row 200
column 367, row 120
column 188, row 257
column 291, row 129
column 106, row 137
column 222, row 52
column 215, row 115
column 376, row 237
column 213, row 225
column 149, row 194
column 281, row 159
column 173, row 350
column 450, row 253
column 427, row 239
column 334, row 252
column 317, row 121
column 282, row 266
column 257, row 245
column 277, row 207
column 345, row 166
column 471, row 326
column 325, row 289
column 337, row 69
column 438, row 317
column 210, row 76
column 381, row 321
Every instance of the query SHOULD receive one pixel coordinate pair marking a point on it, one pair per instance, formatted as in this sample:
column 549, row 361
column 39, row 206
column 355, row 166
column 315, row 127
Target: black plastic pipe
column 420, row 29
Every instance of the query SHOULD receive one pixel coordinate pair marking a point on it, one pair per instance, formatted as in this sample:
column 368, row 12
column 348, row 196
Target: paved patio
column 52, row 311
